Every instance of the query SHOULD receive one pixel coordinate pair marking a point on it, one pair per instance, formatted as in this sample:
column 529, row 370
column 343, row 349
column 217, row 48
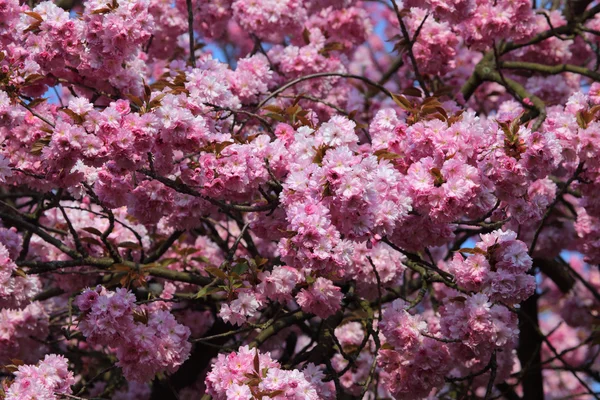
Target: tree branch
column 191, row 32
column 551, row 69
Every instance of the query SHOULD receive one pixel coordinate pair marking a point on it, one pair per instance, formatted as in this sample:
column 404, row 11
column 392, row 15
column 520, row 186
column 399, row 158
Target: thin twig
column 21, row 102
column 410, row 44
column 552, row 205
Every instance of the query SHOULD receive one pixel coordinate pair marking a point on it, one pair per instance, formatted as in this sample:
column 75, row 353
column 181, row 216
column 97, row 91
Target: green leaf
column 38, row 146
column 402, row 102
column 92, row 230
column 306, row 36
column 201, row 259
column 130, row 245
column 276, row 117
column 165, row 262
column 34, row 15
column 287, row 234
column 74, row 116
column 321, row 150
column 260, row 261
column 216, row 272
column 274, row 109
column 413, row 92
column 476, row 250
column 103, row 10
column 187, row 251
column 240, row 268
column 36, row 102
column 207, row 291
column 91, row 240
column 256, row 362
column 386, row 155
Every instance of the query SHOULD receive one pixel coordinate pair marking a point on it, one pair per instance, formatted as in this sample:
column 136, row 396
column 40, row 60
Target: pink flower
column 239, row 392
column 147, row 341
column 47, row 380
column 5, row 168
column 235, row 376
column 322, row 298
column 402, row 330
column 278, row 284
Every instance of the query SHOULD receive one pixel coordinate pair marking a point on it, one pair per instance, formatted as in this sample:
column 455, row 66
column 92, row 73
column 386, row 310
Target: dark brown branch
column 474, row 374
column 105, row 263
column 556, row 272
column 575, row 8
column 190, row 11
column 163, row 248
column 74, row 234
column 19, row 222
column 323, row 75
column 581, row 279
column 493, row 368
column 286, row 321
column 181, row 188
column 409, row 47
column 263, row 121
column 529, row 349
column 394, row 67
column 552, row 205
column 36, row 114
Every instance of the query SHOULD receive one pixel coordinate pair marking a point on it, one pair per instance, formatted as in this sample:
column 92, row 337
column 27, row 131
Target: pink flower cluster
column 443, row 188
column 6, row 272
column 303, row 58
column 21, row 332
column 251, row 77
column 344, row 192
column 270, row 19
column 518, row 158
column 245, row 306
column 58, row 41
column 47, row 380
column 114, row 34
column 210, row 17
column 414, row 364
column 9, row 15
column 322, row 298
column 482, row 328
column 146, row 341
column 349, row 26
column 15, row 289
column 278, row 284
column 435, row 48
column 248, row 374
column 478, row 323
column 497, row 267
column 488, row 21
column 326, row 198
column 401, row 329
column 388, row 263
column 237, row 171
column 579, row 144
column 588, row 230
column 417, row 354
column 438, row 162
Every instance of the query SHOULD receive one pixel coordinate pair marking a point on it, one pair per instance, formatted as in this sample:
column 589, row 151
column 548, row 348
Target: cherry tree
column 299, row 199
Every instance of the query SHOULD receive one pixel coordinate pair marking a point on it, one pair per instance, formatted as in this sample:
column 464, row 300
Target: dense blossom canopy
column 299, row 199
